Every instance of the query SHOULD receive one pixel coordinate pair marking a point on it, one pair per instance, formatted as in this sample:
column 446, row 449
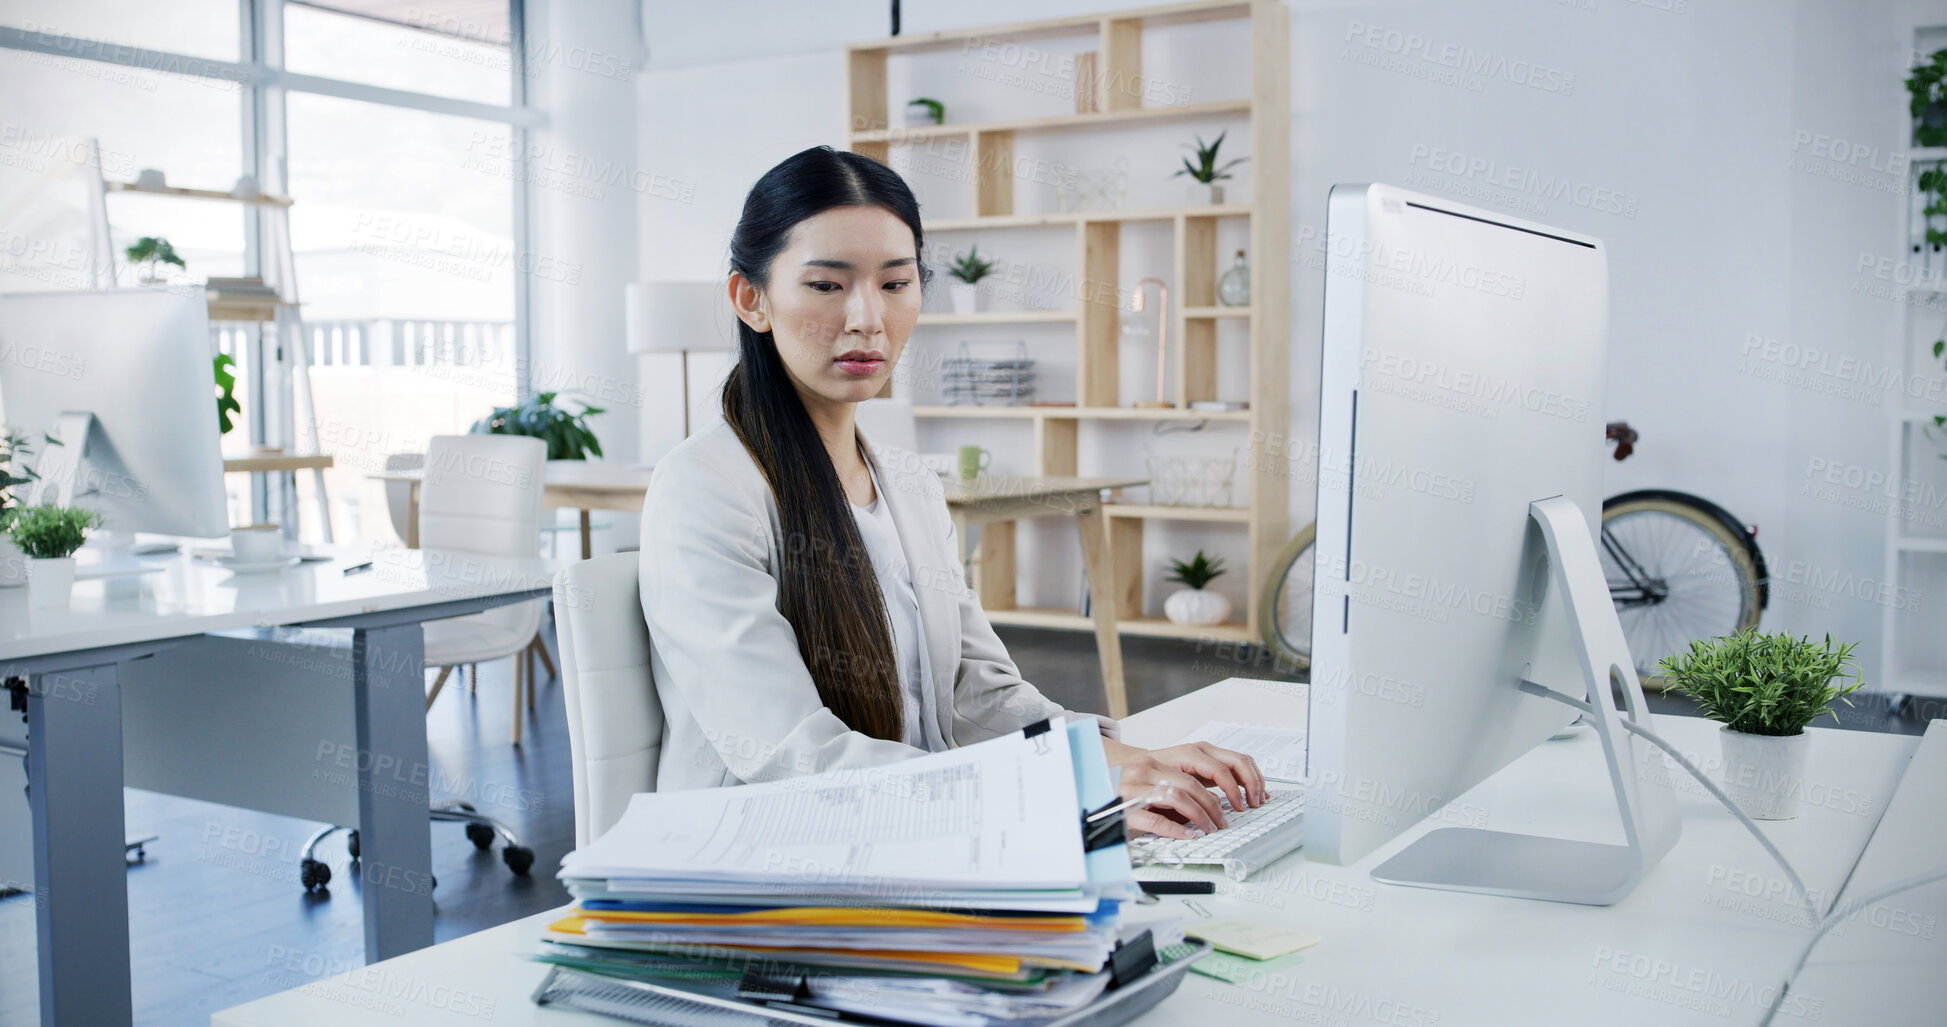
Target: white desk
column 74, row 732
column 1391, row 955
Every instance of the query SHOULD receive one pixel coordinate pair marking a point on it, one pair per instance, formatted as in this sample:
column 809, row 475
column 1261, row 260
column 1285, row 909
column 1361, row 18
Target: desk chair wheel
column 314, row 875
column 480, row 835
column 481, row 829
column 518, row 858
column 351, row 843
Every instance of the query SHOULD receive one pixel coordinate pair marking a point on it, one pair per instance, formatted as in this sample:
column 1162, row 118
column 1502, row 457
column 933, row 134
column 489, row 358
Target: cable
column 1840, row 916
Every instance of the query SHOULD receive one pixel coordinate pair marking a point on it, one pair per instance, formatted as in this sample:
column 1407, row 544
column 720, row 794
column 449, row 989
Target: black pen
column 354, row 569
column 1179, row 887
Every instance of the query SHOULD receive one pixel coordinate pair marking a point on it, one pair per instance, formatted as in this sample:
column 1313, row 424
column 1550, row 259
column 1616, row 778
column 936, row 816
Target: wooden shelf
column 1082, row 413
column 1000, row 317
column 1921, row 545
column 1164, row 14
column 199, row 194
column 1093, row 119
column 1234, row 514
column 1044, row 617
column 258, row 463
column 1213, row 313
column 1076, row 217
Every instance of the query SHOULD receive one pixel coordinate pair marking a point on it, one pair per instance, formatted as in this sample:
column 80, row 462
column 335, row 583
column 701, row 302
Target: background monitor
column 138, row 361
column 1463, row 374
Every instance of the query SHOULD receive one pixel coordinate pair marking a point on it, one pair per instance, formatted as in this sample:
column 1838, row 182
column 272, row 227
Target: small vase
column 1196, row 606
column 1234, row 288
column 13, row 564
column 965, row 296
column 1201, row 194
column 49, row 582
column 1765, row 774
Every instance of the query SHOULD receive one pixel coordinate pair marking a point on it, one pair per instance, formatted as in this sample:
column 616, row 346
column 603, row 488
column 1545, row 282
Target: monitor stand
column 1557, row 869
column 58, row 467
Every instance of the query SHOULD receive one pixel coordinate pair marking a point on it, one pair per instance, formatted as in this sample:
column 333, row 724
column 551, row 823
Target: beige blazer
column 739, row 704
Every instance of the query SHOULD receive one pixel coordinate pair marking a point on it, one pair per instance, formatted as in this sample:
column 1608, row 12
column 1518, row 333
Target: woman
column 804, row 596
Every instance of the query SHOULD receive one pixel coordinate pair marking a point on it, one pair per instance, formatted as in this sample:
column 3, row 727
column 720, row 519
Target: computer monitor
column 122, row 377
column 1458, row 607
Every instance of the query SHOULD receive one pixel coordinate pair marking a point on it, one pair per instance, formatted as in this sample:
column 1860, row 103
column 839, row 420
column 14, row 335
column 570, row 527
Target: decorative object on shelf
column 924, row 110
column 1086, row 102
column 151, row 178
column 678, row 317
column 1765, row 689
column 226, row 398
column 1196, row 604
column 970, row 461
column 49, row 535
column 967, row 270
column 1926, row 84
column 1102, row 189
column 1206, row 171
column 246, row 188
column 14, row 448
column 1203, row 481
column 989, row 373
column 149, row 251
column 1137, row 331
column 1234, row 288
column 566, row 432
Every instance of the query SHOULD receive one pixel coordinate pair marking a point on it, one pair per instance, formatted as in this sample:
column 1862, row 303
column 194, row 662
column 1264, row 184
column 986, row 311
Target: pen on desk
column 355, row 568
column 1179, row 887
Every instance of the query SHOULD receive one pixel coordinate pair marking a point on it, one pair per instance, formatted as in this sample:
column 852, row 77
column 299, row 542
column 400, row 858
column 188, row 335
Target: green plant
column 226, row 399
column 1201, row 570
column 1926, row 86
column 49, row 532
column 938, row 108
column 1764, row 684
column 1205, row 170
column 566, row 432
column 152, row 250
column 969, row 268
column 13, row 446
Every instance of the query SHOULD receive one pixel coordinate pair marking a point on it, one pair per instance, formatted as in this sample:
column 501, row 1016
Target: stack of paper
column 952, row 888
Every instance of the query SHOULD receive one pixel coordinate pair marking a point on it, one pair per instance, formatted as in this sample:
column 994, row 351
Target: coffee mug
column 256, row 543
column 973, row 460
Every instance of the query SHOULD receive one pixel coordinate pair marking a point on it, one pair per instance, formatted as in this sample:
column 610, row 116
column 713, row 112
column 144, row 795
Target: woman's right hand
column 1182, row 808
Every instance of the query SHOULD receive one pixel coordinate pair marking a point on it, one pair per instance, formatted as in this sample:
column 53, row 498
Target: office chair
column 615, row 721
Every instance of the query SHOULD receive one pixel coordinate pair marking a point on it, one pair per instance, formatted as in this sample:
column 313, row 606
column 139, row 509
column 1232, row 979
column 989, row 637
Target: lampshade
column 677, row 317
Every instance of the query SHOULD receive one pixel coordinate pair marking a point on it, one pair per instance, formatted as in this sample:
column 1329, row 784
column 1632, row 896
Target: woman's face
column 843, row 298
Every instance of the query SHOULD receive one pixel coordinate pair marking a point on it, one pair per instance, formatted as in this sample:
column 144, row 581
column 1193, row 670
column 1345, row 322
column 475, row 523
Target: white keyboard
column 1254, row 838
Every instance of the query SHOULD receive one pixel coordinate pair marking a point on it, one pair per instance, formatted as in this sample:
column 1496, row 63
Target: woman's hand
column 1183, row 772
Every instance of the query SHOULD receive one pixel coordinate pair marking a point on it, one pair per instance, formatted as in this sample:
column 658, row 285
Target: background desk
column 582, row 485
column 74, row 742
column 1689, row 946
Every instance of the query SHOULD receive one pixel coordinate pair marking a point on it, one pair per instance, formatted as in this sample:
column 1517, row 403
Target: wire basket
column 989, row 374
column 1191, row 480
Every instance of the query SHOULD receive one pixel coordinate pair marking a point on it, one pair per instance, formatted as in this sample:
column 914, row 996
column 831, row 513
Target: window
column 414, row 48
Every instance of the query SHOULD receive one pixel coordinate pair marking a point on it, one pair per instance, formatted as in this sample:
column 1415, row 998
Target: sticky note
column 1256, row 941
column 1236, row 969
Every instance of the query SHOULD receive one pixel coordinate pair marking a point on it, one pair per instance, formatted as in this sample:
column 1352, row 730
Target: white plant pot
column 965, row 297
column 49, row 582
column 1198, row 606
column 13, row 564
column 1765, row 774
column 917, row 115
column 1200, row 194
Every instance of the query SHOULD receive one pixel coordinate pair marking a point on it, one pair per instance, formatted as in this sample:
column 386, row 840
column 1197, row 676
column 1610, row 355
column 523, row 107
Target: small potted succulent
column 924, row 110
column 1206, row 171
column 14, row 448
column 1765, row 689
column 1195, row 604
column 49, row 535
column 967, row 270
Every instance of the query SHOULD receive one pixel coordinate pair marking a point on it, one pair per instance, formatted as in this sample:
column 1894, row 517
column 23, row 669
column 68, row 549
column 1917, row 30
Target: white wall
column 1690, row 134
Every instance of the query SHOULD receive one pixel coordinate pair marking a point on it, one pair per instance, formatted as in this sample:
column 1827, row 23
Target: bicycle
column 1679, row 568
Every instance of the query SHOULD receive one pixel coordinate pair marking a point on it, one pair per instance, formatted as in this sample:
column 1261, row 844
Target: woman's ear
column 749, row 303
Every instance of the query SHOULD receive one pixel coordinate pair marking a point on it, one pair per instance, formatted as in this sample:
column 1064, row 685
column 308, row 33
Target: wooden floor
column 217, row 916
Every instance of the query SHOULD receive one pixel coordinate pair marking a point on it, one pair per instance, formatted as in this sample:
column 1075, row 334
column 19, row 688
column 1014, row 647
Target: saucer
column 236, row 566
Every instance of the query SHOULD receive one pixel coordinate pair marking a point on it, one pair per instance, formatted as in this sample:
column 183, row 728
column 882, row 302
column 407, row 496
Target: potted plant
column 1765, row 689
column 1206, row 171
column 1195, row 604
column 149, row 251
column 1926, row 86
column 49, row 535
column 924, row 110
column 967, row 270
column 226, row 397
column 14, row 448
column 566, row 432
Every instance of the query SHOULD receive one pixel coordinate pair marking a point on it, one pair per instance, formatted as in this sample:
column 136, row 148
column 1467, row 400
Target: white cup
column 256, row 543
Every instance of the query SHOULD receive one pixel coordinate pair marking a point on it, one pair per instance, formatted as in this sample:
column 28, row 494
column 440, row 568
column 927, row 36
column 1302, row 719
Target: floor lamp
column 678, row 317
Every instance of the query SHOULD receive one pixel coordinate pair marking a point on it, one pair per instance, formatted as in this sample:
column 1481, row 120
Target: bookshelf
column 1095, row 319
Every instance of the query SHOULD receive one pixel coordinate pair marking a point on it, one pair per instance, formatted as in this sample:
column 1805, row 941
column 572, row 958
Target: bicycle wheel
column 1679, row 568
column 1287, row 603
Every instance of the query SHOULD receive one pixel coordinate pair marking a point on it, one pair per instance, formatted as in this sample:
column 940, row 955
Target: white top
column 902, row 604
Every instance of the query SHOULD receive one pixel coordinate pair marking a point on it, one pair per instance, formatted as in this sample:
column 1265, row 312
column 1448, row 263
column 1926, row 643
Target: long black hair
column 826, row 587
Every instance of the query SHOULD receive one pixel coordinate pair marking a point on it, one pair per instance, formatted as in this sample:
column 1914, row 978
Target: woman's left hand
column 1233, row 773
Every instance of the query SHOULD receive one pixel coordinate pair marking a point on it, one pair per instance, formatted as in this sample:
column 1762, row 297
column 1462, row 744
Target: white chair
column 482, row 494
column 398, row 494
column 615, row 721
